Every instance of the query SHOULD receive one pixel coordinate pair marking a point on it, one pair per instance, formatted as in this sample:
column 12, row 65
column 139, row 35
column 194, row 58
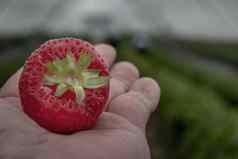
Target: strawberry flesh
column 63, row 111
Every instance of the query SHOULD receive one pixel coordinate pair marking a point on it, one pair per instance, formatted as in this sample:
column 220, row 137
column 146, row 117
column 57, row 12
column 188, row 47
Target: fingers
column 107, row 52
column 137, row 104
column 123, row 75
column 10, row 88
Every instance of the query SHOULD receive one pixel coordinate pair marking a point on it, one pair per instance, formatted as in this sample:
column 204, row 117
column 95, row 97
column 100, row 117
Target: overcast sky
column 188, row 18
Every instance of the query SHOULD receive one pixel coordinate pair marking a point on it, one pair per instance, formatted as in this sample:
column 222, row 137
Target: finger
column 107, row 52
column 123, row 75
column 137, row 105
column 10, row 88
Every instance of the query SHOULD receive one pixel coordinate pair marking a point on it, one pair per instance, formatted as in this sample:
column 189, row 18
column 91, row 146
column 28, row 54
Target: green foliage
column 9, row 65
column 221, row 81
column 224, row 52
column 210, row 127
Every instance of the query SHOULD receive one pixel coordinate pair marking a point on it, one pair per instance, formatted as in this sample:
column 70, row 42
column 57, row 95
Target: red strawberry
column 64, row 85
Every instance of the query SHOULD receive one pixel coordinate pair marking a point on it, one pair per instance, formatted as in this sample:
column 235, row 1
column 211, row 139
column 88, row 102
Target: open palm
column 119, row 133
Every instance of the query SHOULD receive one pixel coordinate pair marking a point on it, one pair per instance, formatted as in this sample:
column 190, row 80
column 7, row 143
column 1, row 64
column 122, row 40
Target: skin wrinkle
column 137, row 107
column 123, row 75
column 116, row 122
column 120, row 88
column 145, row 102
column 24, row 143
column 149, row 88
column 11, row 130
column 19, row 117
column 25, row 136
column 38, row 139
column 14, row 102
column 125, row 72
column 20, row 152
column 126, row 137
column 2, row 131
column 122, row 82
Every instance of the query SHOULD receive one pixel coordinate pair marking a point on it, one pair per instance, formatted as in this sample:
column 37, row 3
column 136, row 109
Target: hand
column 119, row 133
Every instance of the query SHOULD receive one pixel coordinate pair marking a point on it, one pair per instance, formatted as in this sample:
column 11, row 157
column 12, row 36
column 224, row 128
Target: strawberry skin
column 64, row 85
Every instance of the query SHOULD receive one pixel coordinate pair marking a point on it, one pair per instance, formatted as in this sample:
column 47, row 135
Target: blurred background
column 189, row 46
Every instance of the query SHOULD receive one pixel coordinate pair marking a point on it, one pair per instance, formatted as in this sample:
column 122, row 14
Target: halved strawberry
column 64, row 85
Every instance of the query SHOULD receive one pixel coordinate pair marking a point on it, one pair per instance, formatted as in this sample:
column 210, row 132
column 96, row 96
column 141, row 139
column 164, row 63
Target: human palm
column 119, row 133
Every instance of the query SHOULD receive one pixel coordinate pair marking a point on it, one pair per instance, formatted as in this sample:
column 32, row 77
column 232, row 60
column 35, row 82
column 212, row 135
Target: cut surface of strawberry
column 64, row 85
